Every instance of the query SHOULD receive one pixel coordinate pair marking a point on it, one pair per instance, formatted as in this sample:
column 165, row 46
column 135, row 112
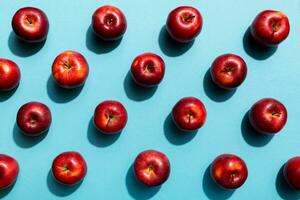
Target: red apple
column 70, row 69
column 109, row 23
column 152, row 168
column 291, row 172
column 34, row 118
column 110, row 117
column 148, row 69
column 69, row 168
column 189, row 114
column 184, row 24
column 228, row 71
column 270, row 27
column 30, row 24
column 229, row 171
column 9, row 75
column 9, row 170
column 268, row 116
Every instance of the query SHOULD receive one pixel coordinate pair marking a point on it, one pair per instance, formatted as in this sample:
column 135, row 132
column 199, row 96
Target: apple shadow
column 59, row 189
column 24, row 141
column 174, row 135
column 213, row 91
column 136, row 92
column 251, row 136
column 212, row 190
column 99, row 139
column 5, row 95
column 6, row 191
column 256, row 50
column 136, row 189
column 171, row 47
column 59, row 94
column 98, row 45
column 21, row 48
column 284, row 190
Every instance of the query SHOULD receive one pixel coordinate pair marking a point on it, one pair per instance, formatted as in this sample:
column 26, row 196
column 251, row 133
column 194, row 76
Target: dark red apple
column 228, row 71
column 69, row 168
column 270, row 28
column 291, row 172
column 9, row 75
column 34, row 118
column 109, row 23
column 148, row 69
column 189, row 114
column 30, row 24
column 110, row 117
column 70, row 69
column 229, row 171
column 9, row 170
column 184, row 24
column 152, row 168
column 268, row 116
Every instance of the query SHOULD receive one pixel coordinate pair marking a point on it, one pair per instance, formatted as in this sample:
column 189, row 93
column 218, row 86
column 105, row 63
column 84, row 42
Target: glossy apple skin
column 10, row 75
column 152, row 168
column 229, row 171
column 69, row 168
column 270, row 28
column 148, row 69
column 291, row 172
column 228, row 71
column 110, row 117
column 9, row 170
column 109, row 23
column 70, row 69
column 189, row 114
column 268, row 116
column 184, row 24
column 30, row 24
column 34, row 118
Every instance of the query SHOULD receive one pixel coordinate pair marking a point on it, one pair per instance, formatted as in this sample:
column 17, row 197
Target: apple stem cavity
column 109, row 118
column 30, row 21
column 275, row 114
column 190, row 115
column 188, row 18
column 232, row 177
column 110, row 21
column 149, row 67
column 150, row 169
column 275, row 25
column 228, row 68
column 67, row 65
column 66, row 168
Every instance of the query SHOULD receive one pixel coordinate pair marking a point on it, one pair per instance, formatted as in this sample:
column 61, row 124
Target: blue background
column 273, row 73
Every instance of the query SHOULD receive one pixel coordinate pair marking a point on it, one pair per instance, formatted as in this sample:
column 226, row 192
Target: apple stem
column 232, row 176
column 29, row 20
column 110, row 21
column 188, row 18
column 274, row 113
column 190, row 115
column 109, row 118
column 67, row 65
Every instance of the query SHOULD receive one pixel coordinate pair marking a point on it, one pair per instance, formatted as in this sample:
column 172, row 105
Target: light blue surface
column 109, row 159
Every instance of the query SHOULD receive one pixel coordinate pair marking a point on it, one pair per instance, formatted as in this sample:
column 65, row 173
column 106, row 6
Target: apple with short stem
column 152, row 168
column 30, row 24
